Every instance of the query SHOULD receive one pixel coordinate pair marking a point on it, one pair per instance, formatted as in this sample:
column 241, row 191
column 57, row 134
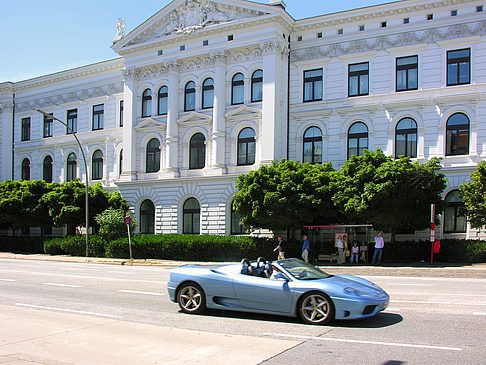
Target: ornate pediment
column 149, row 123
column 195, row 118
column 188, row 16
column 244, row 112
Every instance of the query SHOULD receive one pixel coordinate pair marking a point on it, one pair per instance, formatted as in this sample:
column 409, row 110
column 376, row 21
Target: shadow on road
column 379, row 321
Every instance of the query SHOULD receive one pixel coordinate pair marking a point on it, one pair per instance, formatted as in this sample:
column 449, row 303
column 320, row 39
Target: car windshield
column 301, row 270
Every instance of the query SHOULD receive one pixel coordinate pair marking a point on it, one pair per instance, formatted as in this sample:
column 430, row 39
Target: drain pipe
column 288, row 99
column 13, row 134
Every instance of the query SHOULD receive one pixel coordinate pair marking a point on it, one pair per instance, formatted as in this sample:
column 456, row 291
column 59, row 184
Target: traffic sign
column 128, row 220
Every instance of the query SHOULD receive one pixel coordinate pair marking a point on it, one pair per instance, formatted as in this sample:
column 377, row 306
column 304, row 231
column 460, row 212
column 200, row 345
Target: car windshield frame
column 301, row 270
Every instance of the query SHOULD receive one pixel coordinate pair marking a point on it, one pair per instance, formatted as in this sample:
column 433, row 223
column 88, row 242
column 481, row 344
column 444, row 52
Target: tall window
column 357, row 139
column 71, row 167
column 147, row 103
column 459, row 67
column 246, row 147
column 208, row 93
column 457, row 135
column 98, row 116
column 454, row 222
column 257, row 86
column 191, row 216
column 25, row 169
column 47, row 169
column 190, row 96
column 97, row 163
column 236, row 227
column 162, row 100
column 406, row 138
column 153, row 156
column 313, row 85
column 237, row 89
column 358, row 79
column 197, row 151
column 120, row 167
column 313, row 145
column 48, row 126
column 121, row 113
column 407, row 73
column 72, row 121
column 147, row 217
column 25, row 132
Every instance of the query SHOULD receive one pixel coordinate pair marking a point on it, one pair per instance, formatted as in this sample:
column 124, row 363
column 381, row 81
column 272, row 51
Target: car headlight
column 352, row 291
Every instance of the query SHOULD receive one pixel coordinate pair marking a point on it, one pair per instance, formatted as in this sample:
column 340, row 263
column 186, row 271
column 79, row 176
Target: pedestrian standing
column 280, row 249
column 340, row 247
column 305, row 249
column 355, row 253
column 379, row 244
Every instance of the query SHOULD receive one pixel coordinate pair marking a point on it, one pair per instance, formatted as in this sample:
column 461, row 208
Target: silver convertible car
column 287, row 287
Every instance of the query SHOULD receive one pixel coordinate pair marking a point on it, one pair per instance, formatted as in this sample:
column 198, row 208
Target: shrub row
column 19, row 244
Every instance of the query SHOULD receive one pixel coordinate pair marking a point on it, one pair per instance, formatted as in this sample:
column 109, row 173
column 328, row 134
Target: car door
column 263, row 293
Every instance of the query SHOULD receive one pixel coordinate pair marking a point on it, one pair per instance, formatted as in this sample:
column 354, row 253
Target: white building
column 206, row 90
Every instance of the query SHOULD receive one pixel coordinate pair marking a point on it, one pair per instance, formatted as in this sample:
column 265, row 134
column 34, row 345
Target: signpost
column 432, row 232
column 128, row 221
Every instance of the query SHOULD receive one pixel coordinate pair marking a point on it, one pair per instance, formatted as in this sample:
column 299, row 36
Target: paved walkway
column 418, row 269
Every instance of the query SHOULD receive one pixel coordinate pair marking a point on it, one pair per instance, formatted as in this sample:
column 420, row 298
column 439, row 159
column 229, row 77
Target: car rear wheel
column 191, row 298
column 316, row 308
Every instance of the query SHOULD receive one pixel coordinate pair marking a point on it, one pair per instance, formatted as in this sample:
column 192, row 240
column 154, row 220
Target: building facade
column 206, row 90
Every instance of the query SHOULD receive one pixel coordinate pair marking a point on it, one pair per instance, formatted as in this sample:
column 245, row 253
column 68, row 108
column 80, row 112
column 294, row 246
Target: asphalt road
column 60, row 313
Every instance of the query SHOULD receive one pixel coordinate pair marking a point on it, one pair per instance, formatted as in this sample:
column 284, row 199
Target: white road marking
column 479, row 314
column 366, row 342
column 440, row 294
column 392, row 310
column 404, row 284
column 9, row 280
column 66, row 310
column 472, row 304
column 418, row 302
column 140, row 292
column 63, row 285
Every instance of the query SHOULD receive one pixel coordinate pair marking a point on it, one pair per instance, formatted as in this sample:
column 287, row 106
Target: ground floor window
column 454, row 222
column 192, row 214
column 147, row 217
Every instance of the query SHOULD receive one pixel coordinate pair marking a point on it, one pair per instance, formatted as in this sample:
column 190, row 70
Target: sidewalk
column 417, row 269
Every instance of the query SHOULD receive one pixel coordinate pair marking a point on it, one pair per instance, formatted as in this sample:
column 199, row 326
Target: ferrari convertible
column 287, row 287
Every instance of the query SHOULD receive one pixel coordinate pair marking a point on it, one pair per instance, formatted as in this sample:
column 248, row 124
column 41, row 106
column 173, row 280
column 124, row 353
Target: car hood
column 348, row 281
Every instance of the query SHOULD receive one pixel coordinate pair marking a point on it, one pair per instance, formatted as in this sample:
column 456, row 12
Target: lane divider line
column 446, row 348
column 63, row 285
column 66, row 310
column 479, row 314
column 9, row 280
column 141, row 292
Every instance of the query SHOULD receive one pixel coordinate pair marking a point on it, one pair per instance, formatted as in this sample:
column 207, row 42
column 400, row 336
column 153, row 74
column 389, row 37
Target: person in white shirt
column 355, row 253
column 379, row 244
column 340, row 247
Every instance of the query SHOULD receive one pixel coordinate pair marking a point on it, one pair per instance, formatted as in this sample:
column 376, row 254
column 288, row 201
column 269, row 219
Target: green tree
column 473, row 194
column 112, row 225
column 393, row 195
column 285, row 195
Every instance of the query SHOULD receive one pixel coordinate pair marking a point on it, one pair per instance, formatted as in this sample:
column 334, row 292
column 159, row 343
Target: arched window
column 71, row 167
column 191, row 216
column 97, row 165
column 147, row 217
column 257, row 86
column 406, row 138
column 147, row 103
column 153, row 156
column 25, row 169
column 457, row 131
column 246, row 147
column 453, row 221
column 197, row 151
column 237, row 89
column 357, row 139
column 236, row 227
column 313, row 145
column 120, row 170
column 190, row 96
column 208, row 93
column 47, row 169
column 162, row 100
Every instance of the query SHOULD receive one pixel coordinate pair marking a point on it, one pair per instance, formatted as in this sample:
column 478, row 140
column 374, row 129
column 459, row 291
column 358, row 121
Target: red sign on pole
column 128, row 220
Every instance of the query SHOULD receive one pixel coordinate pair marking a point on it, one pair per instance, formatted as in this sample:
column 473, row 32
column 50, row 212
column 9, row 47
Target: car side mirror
column 280, row 276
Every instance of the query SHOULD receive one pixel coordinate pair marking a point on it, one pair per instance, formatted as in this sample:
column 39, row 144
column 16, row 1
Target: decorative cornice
column 393, row 40
column 218, row 56
column 273, row 46
column 8, row 106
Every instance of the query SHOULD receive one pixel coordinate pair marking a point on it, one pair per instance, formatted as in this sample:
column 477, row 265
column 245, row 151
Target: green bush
column 19, row 244
column 76, row 246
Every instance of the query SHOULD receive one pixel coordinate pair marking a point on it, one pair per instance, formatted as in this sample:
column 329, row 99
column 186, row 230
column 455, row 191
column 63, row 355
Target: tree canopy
column 473, row 195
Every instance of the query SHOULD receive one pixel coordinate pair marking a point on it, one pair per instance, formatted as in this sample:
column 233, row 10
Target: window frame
column 242, row 229
column 359, row 74
column 458, row 61
column 71, row 167
column 25, row 129
column 147, row 217
column 406, row 68
column 47, row 169
column 249, row 158
column 98, row 117
column 406, row 132
column 48, row 126
column 358, row 136
column 25, row 169
column 457, row 128
column 312, row 141
column 152, row 155
column 163, row 98
column 190, row 93
column 72, row 121
column 97, row 165
column 200, row 149
column 237, row 85
column 147, row 103
column 207, row 93
column 121, row 108
column 195, row 217
column 314, row 81
column 456, row 206
column 257, row 82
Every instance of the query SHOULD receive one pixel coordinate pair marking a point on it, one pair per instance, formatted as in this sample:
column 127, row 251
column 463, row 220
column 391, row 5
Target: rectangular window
column 25, row 135
column 48, row 126
column 72, row 121
column 313, row 85
column 98, row 116
column 121, row 113
column 205, row 42
column 407, row 73
column 459, row 67
column 230, row 37
column 358, row 79
column 406, row 20
column 182, row 48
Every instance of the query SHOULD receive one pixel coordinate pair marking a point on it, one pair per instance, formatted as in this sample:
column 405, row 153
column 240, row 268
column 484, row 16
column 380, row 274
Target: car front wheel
column 316, row 308
column 191, row 298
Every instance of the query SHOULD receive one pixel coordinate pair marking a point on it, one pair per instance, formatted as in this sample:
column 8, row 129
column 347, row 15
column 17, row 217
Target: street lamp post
column 85, row 167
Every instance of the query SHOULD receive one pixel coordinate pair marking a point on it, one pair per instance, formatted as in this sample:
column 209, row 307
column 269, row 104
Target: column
column 6, row 116
column 172, row 131
column 219, row 110
column 129, row 172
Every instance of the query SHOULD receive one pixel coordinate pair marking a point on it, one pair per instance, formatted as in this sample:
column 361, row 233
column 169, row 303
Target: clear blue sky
column 39, row 37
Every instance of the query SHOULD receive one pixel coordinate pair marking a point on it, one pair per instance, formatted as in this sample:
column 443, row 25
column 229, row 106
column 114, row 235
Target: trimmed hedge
column 19, row 244
column 76, row 246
